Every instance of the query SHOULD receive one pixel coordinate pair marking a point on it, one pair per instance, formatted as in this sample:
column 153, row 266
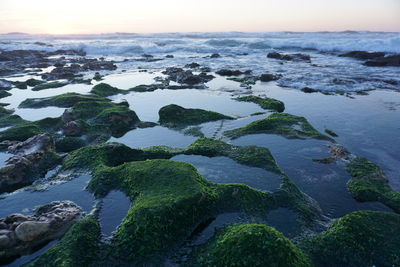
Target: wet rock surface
column 182, row 76
column 32, row 159
column 22, row 234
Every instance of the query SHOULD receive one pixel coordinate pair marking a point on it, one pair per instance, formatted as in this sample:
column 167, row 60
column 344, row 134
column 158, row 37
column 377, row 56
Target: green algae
column 4, row 94
column 264, row 103
column 247, row 155
column 48, row 85
column 252, row 245
column 287, row 125
column 177, row 116
column 171, row 198
column 7, row 118
column 104, row 90
column 68, row 144
column 63, row 101
column 79, row 246
column 362, row 238
column 20, row 132
column 369, row 183
column 331, row 133
column 245, row 80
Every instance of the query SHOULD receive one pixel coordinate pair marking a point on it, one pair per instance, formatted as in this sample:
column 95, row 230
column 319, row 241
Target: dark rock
column 289, row 57
column 70, row 52
column 169, row 56
column 192, row 65
column 309, row 90
column 186, row 77
column 363, row 54
column 384, row 61
column 266, row 77
column 228, row 72
column 215, row 55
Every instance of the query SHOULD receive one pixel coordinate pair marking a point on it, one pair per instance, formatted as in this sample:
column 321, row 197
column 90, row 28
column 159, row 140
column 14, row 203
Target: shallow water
column 225, row 170
column 113, row 210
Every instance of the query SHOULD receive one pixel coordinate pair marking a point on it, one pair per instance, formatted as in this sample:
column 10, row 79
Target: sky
column 151, row 16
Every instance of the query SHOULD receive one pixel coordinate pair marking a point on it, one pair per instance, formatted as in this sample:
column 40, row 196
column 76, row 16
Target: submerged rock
column 369, row 183
column 22, row 234
column 228, row 72
column 177, row 116
column 264, row 103
column 287, row 125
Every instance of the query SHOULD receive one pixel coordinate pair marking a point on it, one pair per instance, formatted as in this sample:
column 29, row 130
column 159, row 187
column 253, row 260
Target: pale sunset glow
column 58, row 17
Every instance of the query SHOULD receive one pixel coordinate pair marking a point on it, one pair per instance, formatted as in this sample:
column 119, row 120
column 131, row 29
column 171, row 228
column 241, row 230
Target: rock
column 227, row 72
column 4, row 241
column 289, row 57
column 34, row 157
column 266, row 77
column 186, row 77
column 363, row 54
column 169, row 56
column 339, row 152
column 25, row 234
column 40, row 142
column 30, row 230
column 215, row 55
column 192, row 65
column 309, row 90
column 384, row 61
column 73, row 128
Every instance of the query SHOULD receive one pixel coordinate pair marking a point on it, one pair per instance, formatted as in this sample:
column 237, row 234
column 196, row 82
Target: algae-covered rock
column 369, row 183
column 79, row 247
column 7, row 118
column 68, row 144
column 104, row 90
column 252, row 245
column 170, row 200
column 248, row 155
column 20, row 132
column 48, row 85
column 363, row 238
column 287, row 125
column 63, row 101
column 177, row 116
column 117, row 117
column 264, row 103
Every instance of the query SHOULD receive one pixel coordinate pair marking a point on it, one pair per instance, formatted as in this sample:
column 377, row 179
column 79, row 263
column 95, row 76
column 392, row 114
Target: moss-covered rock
column 63, row 101
column 369, row 183
column 79, row 246
column 287, row 125
column 264, row 103
column 117, row 117
column 33, row 82
column 20, row 132
column 252, row 245
column 68, row 144
column 104, row 90
column 247, row 155
column 248, row 80
column 48, row 85
column 331, row 133
column 7, row 118
column 177, row 116
column 170, row 200
column 363, row 238
column 4, row 94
